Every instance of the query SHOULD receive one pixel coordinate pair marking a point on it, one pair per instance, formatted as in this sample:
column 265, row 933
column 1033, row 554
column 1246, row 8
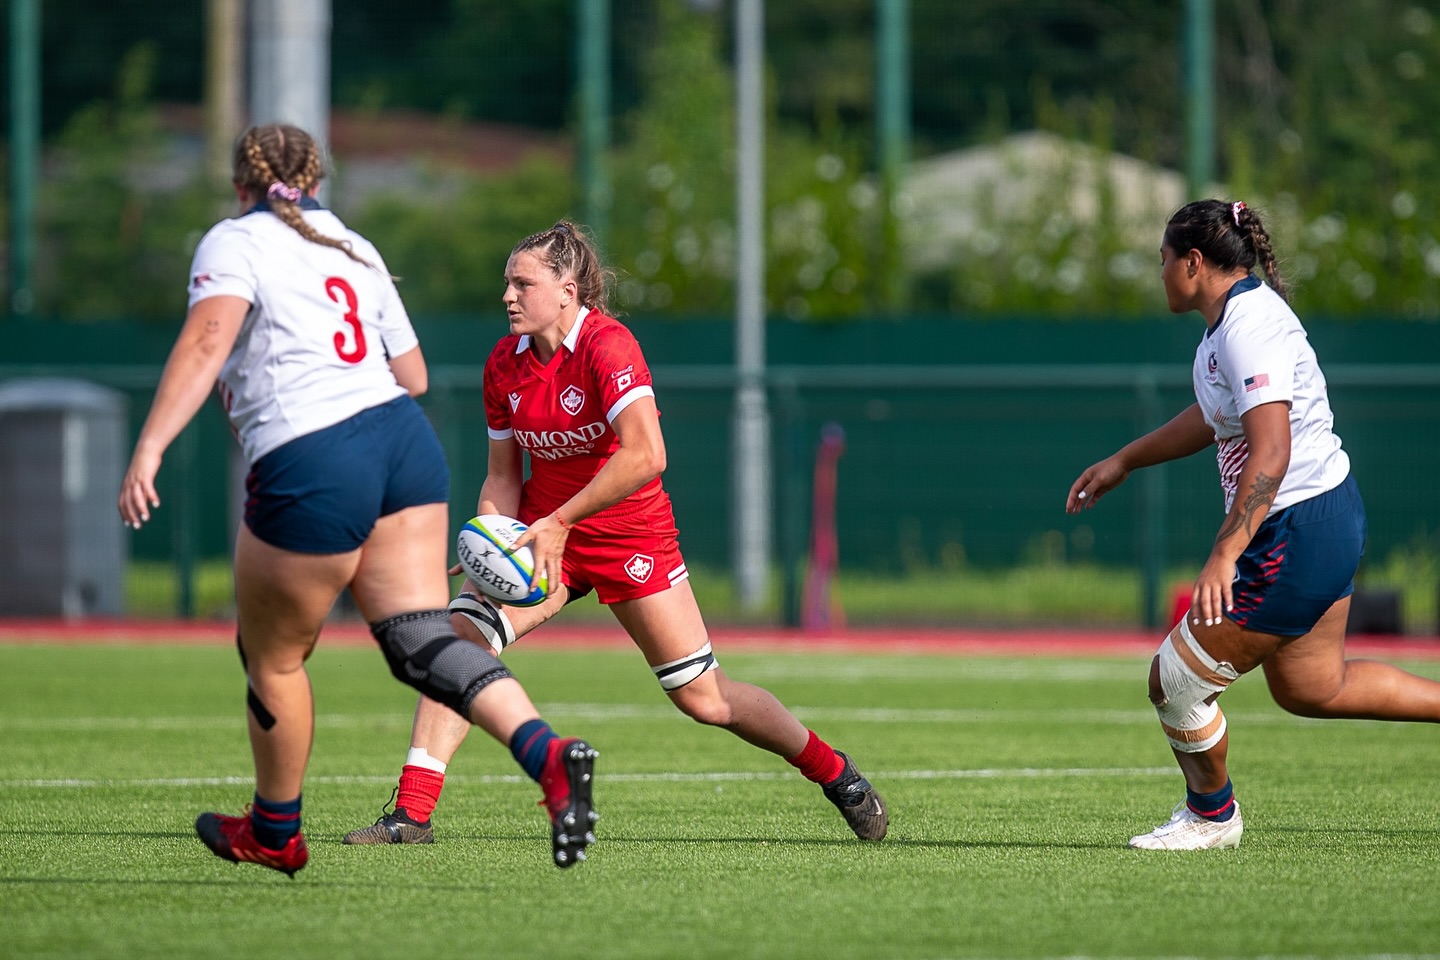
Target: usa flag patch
column 1257, row 381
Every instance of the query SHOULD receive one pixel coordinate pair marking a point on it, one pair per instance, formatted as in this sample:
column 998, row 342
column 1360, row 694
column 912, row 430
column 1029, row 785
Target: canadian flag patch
column 640, row 567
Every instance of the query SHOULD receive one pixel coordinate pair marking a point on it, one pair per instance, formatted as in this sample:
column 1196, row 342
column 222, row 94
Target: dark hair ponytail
column 1228, row 234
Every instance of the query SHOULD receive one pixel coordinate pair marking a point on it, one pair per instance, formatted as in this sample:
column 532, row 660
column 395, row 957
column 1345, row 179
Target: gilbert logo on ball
column 499, row 569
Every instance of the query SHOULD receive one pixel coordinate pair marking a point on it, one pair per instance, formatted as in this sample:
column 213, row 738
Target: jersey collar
column 571, row 338
column 1243, row 285
column 306, row 203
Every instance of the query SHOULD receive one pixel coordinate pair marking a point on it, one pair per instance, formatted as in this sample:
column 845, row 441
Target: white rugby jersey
column 1258, row 353
column 314, row 349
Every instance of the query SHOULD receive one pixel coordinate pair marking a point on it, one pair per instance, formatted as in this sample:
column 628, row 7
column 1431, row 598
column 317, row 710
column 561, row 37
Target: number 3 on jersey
column 341, row 292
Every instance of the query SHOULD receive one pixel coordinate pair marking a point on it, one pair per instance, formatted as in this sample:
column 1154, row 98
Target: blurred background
column 894, row 263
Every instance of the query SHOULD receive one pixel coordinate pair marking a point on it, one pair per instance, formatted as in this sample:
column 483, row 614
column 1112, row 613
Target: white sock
column 418, row 757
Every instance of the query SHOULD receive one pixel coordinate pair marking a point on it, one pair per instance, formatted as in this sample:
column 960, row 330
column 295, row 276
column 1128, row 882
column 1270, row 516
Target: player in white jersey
column 1275, row 590
column 317, row 367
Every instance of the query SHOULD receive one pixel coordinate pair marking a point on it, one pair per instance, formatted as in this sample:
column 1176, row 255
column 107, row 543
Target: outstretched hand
column 1094, row 483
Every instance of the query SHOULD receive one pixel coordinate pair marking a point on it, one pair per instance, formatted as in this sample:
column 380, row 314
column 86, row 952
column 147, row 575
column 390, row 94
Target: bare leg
column 282, row 599
column 667, row 626
column 1311, row 677
column 1205, row 772
column 403, row 570
column 411, row 577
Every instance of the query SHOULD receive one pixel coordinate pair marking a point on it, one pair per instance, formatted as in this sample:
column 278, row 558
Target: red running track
column 933, row 640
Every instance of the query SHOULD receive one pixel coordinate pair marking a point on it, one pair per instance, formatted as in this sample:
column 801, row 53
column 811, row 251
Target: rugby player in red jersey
column 569, row 387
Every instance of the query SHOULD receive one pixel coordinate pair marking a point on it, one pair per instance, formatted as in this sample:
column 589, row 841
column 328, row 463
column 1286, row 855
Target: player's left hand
column 546, row 539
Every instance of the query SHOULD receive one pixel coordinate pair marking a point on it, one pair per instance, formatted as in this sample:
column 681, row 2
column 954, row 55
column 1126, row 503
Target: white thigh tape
column 489, row 619
column 677, row 673
column 1189, row 677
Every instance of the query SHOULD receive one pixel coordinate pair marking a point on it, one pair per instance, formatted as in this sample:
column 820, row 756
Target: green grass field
column 1013, row 785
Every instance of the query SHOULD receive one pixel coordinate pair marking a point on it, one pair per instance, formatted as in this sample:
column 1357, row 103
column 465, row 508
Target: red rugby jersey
column 560, row 412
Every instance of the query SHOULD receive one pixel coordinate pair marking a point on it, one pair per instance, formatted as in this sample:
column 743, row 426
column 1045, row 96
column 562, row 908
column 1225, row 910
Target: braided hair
column 1229, row 235
column 281, row 163
column 569, row 251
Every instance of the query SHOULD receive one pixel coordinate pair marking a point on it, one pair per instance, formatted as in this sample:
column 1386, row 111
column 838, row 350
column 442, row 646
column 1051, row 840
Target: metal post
column 1151, row 530
column 224, row 84
column 751, row 506
column 24, row 150
column 290, row 66
column 892, row 123
column 1199, row 96
column 593, row 73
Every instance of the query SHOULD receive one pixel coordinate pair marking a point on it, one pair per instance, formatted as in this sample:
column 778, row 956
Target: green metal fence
column 948, row 469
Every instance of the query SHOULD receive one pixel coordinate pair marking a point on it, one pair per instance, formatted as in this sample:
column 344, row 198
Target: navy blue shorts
column 323, row 492
column 1302, row 560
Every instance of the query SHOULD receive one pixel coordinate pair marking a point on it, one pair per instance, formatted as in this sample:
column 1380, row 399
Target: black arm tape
column 423, row 651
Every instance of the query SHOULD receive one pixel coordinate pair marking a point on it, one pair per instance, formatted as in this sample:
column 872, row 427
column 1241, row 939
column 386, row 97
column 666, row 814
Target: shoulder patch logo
column 514, row 402
column 572, row 399
column 640, row 567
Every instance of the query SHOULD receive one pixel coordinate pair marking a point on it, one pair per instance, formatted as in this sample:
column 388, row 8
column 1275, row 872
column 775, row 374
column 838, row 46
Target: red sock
column 419, row 792
column 818, row 762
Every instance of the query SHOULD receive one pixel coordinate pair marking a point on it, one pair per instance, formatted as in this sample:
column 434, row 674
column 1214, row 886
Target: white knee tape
column 677, row 673
column 489, row 619
column 1189, row 677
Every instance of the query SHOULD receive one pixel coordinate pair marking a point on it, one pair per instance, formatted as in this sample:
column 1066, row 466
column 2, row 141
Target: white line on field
column 608, row 712
column 992, row 773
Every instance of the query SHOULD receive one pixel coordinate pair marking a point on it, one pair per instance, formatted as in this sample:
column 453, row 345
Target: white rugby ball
column 493, row 563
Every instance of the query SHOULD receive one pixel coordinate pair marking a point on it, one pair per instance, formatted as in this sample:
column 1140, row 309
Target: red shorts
column 629, row 551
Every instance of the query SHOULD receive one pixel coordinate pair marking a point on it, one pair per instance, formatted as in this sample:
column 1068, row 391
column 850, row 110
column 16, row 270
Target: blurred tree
column 117, row 223
column 1326, row 127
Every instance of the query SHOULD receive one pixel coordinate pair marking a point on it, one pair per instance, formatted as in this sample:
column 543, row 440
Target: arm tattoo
column 1262, row 494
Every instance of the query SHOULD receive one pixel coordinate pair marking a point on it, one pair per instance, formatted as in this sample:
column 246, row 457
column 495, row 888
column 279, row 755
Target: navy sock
column 531, row 745
column 1218, row 806
column 274, row 823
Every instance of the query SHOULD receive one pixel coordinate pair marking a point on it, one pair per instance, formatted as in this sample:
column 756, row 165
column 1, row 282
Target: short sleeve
column 619, row 370
column 497, row 410
column 225, row 265
column 396, row 330
column 1260, row 370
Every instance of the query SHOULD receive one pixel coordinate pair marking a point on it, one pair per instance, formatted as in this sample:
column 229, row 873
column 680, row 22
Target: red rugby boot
column 230, row 838
column 566, row 781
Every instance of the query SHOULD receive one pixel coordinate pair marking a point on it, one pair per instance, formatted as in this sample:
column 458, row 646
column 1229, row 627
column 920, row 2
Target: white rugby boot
column 1189, row 831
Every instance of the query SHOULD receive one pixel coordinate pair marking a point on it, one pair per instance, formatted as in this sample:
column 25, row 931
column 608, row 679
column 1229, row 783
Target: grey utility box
column 63, row 548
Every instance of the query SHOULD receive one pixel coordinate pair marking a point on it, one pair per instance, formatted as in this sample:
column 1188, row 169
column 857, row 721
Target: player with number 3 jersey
column 569, row 389
column 297, row 319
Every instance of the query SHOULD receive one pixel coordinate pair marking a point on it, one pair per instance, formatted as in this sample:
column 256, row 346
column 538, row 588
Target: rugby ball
column 500, row 570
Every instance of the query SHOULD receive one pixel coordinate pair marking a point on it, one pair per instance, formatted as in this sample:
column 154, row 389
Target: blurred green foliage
column 1326, row 127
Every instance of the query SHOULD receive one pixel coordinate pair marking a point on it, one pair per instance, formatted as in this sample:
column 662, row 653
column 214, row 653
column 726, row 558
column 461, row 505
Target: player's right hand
column 137, row 489
column 1097, row 480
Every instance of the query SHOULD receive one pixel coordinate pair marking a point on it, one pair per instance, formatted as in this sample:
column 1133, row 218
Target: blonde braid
column 293, row 161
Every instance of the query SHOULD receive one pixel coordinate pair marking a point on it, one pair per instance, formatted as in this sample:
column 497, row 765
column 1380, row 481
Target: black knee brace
column 423, row 651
